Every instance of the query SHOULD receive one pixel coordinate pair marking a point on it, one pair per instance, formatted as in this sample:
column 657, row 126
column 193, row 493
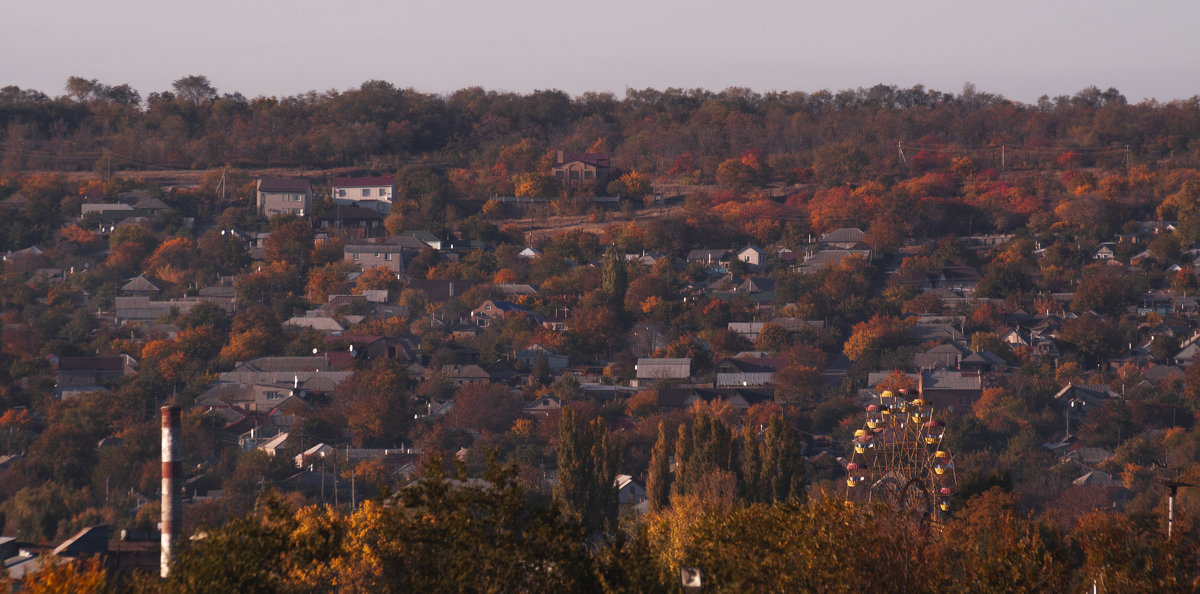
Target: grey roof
column 376, row 248
column 287, row 364
column 825, row 258
column 843, row 235
column 284, row 184
column 951, row 380
column 651, row 368
column 140, row 283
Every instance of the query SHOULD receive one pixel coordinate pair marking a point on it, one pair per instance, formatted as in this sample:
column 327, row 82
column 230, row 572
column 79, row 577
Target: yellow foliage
column 75, row 576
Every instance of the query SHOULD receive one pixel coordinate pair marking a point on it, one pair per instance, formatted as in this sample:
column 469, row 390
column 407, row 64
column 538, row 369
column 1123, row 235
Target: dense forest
column 1078, row 216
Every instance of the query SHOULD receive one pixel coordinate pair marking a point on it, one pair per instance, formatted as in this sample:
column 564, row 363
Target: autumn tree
column 868, row 339
column 1108, row 289
column 174, row 261
column 330, row 279
column 994, row 547
column 376, row 404
column 290, row 242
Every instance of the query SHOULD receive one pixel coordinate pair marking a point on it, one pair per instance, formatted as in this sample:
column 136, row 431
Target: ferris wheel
column 898, row 459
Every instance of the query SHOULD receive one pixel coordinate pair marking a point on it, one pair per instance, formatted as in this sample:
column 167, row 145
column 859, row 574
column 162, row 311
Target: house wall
column 348, row 195
column 745, row 379
column 577, row 174
column 276, row 203
column 366, row 260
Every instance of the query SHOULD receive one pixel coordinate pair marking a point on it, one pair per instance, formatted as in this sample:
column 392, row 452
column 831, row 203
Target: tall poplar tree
column 658, row 479
column 614, row 278
column 587, row 463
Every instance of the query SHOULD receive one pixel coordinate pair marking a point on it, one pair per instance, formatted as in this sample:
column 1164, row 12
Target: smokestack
column 172, row 482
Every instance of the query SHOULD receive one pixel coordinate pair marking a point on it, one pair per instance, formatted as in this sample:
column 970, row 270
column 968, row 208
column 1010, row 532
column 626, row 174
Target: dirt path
column 538, row 228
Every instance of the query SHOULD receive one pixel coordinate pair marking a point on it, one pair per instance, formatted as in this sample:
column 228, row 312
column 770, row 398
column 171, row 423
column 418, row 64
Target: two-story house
column 376, row 193
column 283, row 195
column 372, row 255
column 579, row 170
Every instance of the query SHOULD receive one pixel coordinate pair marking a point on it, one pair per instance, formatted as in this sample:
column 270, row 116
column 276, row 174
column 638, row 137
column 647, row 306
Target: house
column 461, row 375
column 943, row 356
column 353, row 222
column 530, row 356
column 494, row 309
column 748, row 371
column 283, row 195
column 958, row 279
column 558, row 320
column 372, row 255
column 580, row 170
column 323, row 324
column 78, row 375
column 829, row 258
column 543, row 406
column 375, row 193
column 983, row 362
column 955, row 391
column 650, row 370
column 949, row 390
column 845, row 238
column 140, row 285
column 629, row 490
column 752, row 255
column 314, row 454
column 708, row 257
column 1088, row 394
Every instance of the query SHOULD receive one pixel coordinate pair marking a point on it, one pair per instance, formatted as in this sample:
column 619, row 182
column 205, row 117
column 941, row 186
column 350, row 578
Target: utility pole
column 900, row 147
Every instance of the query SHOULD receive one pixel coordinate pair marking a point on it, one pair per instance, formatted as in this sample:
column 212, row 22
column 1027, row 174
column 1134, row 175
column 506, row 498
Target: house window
column 589, row 175
column 366, row 192
column 341, row 193
column 558, row 174
column 387, row 257
column 356, row 255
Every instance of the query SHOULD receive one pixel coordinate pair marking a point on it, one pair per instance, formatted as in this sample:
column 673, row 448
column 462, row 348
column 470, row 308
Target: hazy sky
column 1020, row 48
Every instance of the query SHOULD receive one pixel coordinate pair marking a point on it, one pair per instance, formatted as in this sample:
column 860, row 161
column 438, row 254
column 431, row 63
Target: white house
column 752, row 255
column 376, row 193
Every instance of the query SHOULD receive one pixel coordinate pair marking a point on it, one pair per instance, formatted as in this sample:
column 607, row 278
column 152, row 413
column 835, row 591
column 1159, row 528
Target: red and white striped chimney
column 172, row 486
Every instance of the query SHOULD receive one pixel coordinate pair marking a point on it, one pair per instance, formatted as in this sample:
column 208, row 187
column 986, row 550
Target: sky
column 1021, row 49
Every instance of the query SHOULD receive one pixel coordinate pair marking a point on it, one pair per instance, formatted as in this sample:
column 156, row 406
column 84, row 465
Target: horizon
column 1022, row 52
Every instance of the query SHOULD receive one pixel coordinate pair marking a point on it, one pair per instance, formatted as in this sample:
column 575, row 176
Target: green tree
column 658, row 479
column 194, row 89
column 614, row 277
column 586, row 472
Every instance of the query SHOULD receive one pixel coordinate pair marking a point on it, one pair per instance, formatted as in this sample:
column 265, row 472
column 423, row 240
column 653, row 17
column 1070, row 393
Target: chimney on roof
column 172, row 483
